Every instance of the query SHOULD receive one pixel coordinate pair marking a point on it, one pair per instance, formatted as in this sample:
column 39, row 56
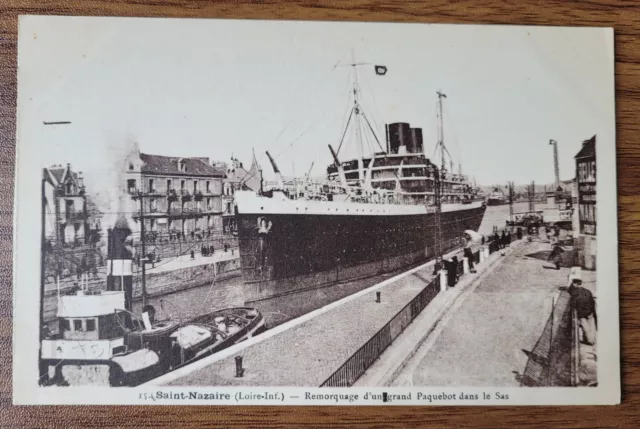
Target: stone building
column 66, row 213
column 586, row 190
column 179, row 198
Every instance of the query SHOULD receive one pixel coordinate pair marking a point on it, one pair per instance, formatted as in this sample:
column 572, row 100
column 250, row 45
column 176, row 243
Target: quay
column 484, row 338
column 309, row 350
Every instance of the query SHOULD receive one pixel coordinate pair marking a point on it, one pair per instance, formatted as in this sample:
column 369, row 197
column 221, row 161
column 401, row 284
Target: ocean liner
column 374, row 214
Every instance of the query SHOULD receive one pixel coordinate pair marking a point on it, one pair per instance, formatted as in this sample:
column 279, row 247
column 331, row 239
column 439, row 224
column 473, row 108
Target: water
column 498, row 215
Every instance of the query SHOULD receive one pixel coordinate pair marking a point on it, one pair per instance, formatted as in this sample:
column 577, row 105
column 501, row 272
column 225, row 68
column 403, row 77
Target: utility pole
column 532, row 196
column 42, row 369
column 143, row 259
column 511, row 192
column 441, row 136
column 556, row 166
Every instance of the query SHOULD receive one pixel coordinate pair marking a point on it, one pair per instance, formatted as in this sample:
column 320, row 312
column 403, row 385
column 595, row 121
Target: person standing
column 584, row 303
column 469, row 255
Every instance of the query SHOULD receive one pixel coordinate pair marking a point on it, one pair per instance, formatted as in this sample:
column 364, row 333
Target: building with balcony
column 178, row 198
column 66, row 220
column 237, row 178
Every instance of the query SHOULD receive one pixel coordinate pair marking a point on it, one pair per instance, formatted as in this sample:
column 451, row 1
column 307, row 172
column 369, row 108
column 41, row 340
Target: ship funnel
column 399, row 135
column 120, row 262
column 416, row 140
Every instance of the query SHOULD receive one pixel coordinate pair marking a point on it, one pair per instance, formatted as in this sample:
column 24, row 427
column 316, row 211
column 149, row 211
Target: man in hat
column 583, row 302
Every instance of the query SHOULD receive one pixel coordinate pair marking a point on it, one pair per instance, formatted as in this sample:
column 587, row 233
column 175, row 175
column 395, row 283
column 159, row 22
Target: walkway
column 481, row 340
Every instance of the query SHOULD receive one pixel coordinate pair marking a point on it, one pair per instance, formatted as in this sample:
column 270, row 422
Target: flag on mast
column 381, row 70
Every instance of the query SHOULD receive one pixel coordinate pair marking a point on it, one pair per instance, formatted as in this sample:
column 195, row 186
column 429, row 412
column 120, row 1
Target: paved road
column 481, row 340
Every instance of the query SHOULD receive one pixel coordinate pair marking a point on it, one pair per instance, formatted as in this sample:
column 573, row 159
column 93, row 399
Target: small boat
column 100, row 343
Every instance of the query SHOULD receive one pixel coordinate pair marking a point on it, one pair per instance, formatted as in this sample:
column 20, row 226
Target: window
column 130, row 166
column 195, row 186
column 68, row 188
column 131, row 185
column 151, row 187
column 66, row 325
column 182, row 166
column 209, row 205
column 182, row 184
column 153, row 205
column 152, row 223
column 207, row 185
column 91, row 325
column 77, row 325
column 168, row 184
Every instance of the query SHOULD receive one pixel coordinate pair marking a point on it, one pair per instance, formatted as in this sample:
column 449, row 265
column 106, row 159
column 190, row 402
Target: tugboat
column 100, row 341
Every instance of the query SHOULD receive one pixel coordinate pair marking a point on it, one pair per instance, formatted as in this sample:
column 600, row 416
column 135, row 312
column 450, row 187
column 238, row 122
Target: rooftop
column 158, row 164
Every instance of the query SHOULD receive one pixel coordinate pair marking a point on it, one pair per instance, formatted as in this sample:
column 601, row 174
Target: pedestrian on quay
column 519, row 233
column 193, row 254
column 203, row 251
column 556, row 255
column 212, row 250
column 503, row 240
column 584, row 303
column 456, row 268
column 508, row 240
column 469, row 255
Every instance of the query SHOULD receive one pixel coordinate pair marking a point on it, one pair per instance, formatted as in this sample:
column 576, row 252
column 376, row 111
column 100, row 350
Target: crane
column 276, row 171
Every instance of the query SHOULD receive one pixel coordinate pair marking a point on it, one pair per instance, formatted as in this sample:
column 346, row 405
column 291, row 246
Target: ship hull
column 302, row 252
column 495, row 202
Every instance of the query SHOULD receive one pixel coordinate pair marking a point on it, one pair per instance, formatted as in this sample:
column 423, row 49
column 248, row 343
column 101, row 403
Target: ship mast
column 357, row 111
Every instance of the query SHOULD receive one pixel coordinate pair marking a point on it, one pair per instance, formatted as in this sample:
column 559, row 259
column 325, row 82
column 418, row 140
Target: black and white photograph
column 286, row 212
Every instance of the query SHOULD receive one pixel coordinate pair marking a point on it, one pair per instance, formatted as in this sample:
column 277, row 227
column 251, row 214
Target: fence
column 362, row 359
column 553, row 360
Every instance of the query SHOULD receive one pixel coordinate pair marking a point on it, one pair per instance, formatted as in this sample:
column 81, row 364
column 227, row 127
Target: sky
column 222, row 88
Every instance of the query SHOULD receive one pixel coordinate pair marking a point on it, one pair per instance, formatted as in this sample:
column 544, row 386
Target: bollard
column 465, row 265
column 443, row 280
column 481, row 254
column 239, row 368
column 378, row 297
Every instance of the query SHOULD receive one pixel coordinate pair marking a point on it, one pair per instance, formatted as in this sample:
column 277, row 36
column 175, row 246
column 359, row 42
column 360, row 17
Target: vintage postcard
column 269, row 212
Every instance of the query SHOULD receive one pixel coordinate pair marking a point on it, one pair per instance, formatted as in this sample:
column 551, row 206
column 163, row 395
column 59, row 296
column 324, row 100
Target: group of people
column 451, row 266
column 207, row 250
column 503, row 240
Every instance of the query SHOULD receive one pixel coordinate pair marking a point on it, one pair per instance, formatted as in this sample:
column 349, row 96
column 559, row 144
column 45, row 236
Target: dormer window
column 131, row 166
column 182, row 167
